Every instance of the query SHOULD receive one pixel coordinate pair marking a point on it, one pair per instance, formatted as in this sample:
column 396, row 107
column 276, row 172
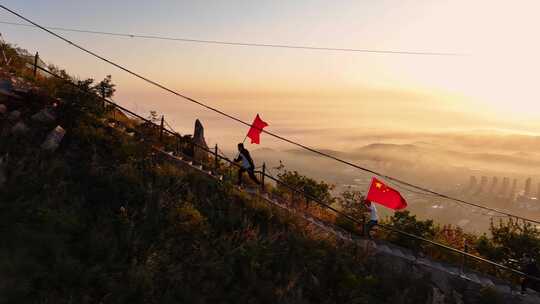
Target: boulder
column 14, row 115
column 200, row 147
column 44, row 116
column 54, row 138
column 19, row 128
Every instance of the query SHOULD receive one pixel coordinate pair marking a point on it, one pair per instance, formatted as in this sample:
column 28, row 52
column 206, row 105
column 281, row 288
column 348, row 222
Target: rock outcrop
column 200, row 147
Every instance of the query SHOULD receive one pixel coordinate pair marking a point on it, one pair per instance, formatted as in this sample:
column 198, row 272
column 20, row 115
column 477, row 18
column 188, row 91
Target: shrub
column 186, row 220
column 309, row 187
column 509, row 240
column 351, row 204
column 404, row 221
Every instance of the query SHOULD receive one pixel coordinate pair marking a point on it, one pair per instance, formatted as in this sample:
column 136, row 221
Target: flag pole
column 238, row 154
column 369, row 187
column 243, row 142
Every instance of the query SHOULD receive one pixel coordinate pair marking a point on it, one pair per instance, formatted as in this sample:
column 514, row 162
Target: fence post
column 161, row 128
column 464, row 259
column 36, row 58
column 216, row 159
column 466, row 249
column 262, row 175
column 177, row 145
column 363, row 226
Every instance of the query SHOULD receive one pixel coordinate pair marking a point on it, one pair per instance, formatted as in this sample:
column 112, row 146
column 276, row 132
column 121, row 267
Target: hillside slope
column 100, row 219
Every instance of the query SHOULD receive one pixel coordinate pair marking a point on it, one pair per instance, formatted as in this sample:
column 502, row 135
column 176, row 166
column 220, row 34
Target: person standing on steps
column 373, row 218
column 246, row 165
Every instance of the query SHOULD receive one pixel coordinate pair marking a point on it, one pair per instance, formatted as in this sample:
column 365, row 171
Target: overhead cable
column 236, row 43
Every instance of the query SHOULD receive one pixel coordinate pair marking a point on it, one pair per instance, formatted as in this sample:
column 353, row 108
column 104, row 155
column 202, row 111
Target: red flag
column 384, row 195
column 256, row 129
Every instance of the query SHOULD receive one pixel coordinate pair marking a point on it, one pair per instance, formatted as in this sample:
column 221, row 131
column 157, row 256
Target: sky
column 313, row 96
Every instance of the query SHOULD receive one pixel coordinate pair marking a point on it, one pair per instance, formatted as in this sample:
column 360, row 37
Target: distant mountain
column 425, row 153
column 389, row 148
column 300, row 151
column 406, row 152
column 264, row 150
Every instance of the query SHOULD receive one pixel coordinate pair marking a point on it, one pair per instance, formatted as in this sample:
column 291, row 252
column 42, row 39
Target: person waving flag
column 255, row 131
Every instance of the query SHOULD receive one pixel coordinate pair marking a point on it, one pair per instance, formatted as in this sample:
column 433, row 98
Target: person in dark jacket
column 246, row 165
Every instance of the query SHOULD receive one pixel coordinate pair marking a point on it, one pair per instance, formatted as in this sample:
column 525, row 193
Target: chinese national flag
column 256, row 129
column 384, row 195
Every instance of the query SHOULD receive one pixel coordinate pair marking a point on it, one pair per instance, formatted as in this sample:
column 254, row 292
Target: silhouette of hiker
column 247, row 164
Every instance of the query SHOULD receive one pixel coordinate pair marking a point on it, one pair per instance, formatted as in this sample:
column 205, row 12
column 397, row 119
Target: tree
column 404, row 221
column 311, row 188
column 509, row 241
column 105, row 88
column 351, row 204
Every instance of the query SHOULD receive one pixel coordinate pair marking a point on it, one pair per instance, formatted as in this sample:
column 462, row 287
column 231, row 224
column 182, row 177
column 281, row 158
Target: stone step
column 409, row 256
column 453, row 270
column 471, row 277
column 485, row 281
column 437, row 265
